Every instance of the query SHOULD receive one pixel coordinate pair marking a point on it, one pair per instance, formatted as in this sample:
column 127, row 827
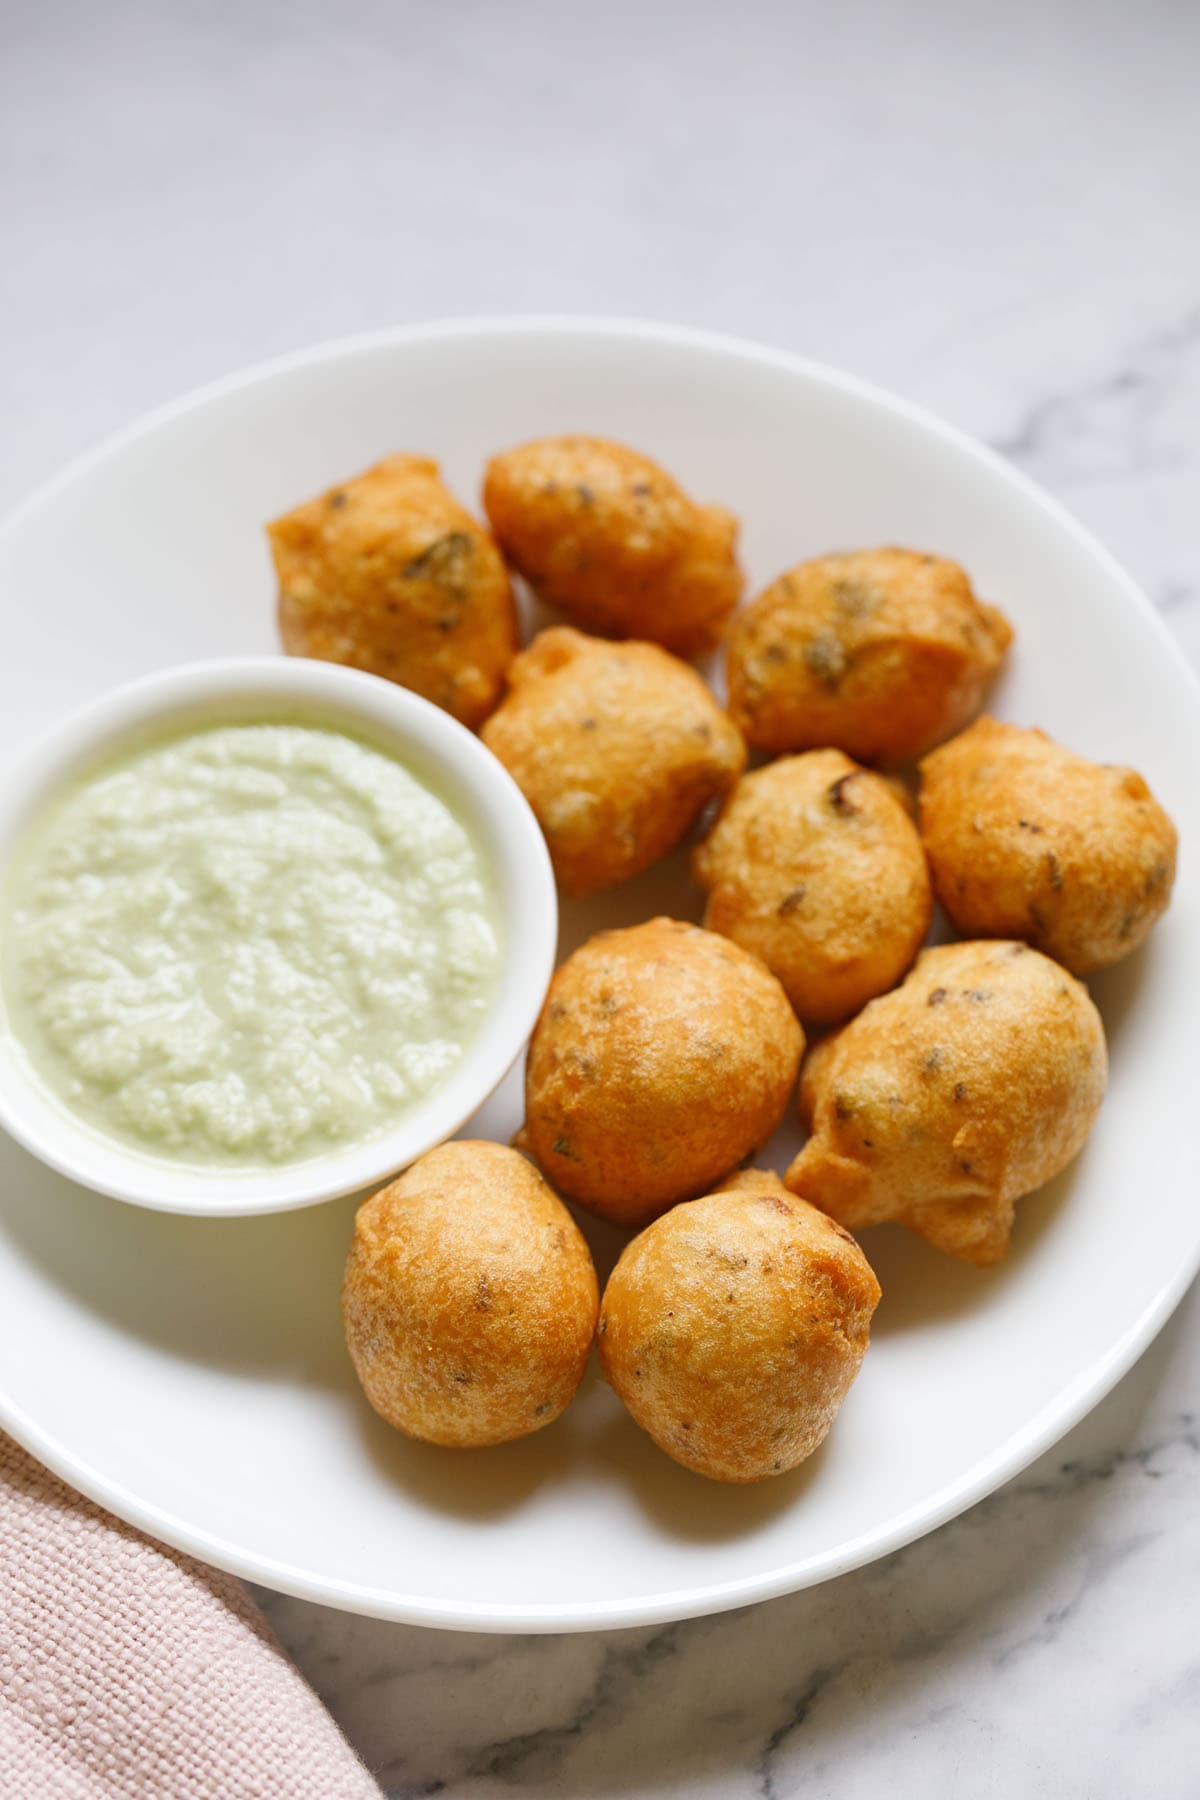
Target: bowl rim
column 392, row 718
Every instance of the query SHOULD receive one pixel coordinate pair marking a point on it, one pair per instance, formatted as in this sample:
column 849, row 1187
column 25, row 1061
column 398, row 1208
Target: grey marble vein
column 799, row 1711
column 1118, row 423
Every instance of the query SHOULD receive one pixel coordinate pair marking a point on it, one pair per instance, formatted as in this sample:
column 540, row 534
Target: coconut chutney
column 247, row 945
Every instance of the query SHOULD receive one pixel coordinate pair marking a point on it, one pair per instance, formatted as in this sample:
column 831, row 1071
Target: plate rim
column 1052, row 1422
column 1023, row 1447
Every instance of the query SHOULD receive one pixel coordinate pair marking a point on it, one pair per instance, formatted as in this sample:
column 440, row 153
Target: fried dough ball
column 1026, row 839
column 815, row 865
column 469, row 1300
column 733, row 1328
column 663, row 1056
column 388, row 573
column 610, row 539
column 617, row 748
column 880, row 652
column 946, row 1100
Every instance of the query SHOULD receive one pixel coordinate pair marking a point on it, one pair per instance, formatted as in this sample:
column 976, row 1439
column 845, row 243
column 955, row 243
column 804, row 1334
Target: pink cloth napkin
column 130, row 1673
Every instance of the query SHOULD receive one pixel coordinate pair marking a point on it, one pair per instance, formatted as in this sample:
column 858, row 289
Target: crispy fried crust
column 617, row 747
column 733, row 1328
column 1026, row 839
column 815, row 865
column 945, row 1101
column 880, row 652
column 663, row 1056
column 469, row 1300
column 609, row 538
column 388, row 573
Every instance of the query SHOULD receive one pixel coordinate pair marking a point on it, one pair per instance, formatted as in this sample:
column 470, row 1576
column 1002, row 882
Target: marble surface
column 995, row 212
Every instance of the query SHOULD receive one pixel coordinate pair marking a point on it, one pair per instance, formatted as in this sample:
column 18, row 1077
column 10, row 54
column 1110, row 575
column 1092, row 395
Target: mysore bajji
column 611, row 539
column 733, row 1327
column 618, row 748
column 815, row 865
column 388, row 573
column 948, row 1099
column 469, row 1299
column 880, row 653
column 663, row 1056
column 1026, row 839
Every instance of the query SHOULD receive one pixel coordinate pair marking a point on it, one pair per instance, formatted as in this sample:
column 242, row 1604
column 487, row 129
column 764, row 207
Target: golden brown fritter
column 1026, row 839
column 946, row 1100
column 617, row 747
column 733, row 1328
column 388, row 573
column 610, row 539
column 880, row 652
column 815, row 865
column 469, row 1300
column 663, row 1056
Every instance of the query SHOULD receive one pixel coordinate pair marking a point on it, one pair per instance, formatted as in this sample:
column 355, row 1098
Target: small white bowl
column 478, row 788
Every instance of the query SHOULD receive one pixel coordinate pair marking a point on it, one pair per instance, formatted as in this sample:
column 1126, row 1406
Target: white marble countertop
column 995, row 212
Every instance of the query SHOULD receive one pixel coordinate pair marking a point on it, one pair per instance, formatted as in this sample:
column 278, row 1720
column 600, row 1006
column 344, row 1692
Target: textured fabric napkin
column 128, row 1672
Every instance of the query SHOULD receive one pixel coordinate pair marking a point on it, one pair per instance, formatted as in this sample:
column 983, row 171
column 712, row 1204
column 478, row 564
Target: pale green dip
column 248, row 945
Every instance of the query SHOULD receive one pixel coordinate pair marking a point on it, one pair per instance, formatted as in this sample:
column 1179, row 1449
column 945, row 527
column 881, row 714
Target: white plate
column 190, row 1374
